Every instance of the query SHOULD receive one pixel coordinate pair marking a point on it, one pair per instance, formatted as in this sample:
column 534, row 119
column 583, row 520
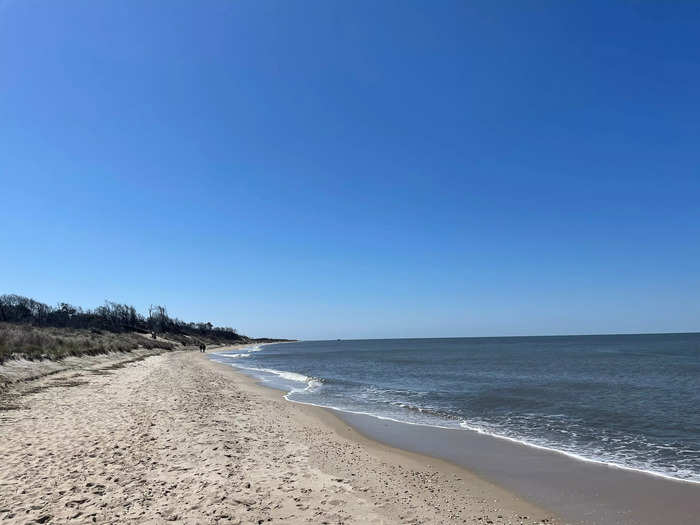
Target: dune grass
column 33, row 343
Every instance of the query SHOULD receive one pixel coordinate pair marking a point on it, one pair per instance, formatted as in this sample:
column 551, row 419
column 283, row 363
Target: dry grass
column 33, row 343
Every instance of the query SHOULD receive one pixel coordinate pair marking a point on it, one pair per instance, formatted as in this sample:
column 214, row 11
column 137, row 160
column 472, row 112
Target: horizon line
column 498, row 336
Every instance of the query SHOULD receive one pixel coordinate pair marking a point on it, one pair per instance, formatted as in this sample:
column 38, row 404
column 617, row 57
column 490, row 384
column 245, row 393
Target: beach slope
column 177, row 437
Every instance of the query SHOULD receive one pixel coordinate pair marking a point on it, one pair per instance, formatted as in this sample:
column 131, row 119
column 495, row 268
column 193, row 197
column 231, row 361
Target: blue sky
column 356, row 169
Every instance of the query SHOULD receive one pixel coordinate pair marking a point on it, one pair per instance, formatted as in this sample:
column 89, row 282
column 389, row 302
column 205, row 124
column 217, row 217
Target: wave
column 311, row 384
column 290, row 376
column 238, row 355
column 600, row 460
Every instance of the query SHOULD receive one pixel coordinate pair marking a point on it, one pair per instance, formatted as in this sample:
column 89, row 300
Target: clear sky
column 348, row 169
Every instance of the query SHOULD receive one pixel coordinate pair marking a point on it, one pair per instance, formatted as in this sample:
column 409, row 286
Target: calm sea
column 628, row 400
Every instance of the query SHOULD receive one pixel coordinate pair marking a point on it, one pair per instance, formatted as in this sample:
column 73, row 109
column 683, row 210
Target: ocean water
column 627, row 400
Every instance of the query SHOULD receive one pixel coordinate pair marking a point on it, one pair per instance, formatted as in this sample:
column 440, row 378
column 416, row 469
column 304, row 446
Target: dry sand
column 177, row 437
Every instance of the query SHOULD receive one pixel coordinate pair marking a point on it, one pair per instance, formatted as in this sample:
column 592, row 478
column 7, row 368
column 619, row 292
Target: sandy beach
column 176, row 437
column 345, row 262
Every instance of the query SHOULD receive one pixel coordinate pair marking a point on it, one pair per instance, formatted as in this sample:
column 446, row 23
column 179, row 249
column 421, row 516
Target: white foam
column 289, row 376
column 600, row 461
column 371, row 414
column 310, row 384
column 246, row 351
column 314, row 385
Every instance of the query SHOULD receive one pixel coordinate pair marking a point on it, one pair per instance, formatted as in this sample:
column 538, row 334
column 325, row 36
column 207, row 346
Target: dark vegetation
column 35, row 330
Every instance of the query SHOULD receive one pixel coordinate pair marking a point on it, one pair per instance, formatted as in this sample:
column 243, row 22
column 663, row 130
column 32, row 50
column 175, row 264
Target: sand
column 179, row 438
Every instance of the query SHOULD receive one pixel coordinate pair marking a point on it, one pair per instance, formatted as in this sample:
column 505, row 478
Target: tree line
column 112, row 317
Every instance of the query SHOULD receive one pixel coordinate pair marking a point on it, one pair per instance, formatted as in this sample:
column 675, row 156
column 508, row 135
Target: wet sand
column 179, row 438
column 579, row 491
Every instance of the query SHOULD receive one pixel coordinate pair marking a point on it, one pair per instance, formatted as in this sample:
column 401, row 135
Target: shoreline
column 178, row 437
column 332, row 419
column 581, row 490
column 450, row 424
column 515, row 441
column 550, row 450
